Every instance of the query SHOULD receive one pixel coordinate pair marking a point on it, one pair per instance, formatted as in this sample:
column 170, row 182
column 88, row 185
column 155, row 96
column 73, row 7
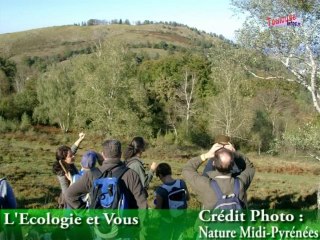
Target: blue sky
column 209, row 15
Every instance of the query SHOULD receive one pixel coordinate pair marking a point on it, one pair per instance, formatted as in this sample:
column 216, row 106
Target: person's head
column 89, row 160
column 163, row 170
column 224, row 160
column 111, row 149
column 135, row 148
column 65, row 154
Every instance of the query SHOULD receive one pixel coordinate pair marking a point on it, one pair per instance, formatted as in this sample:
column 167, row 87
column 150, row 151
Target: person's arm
column 64, row 183
column 159, row 202
column 189, row 172
column 136, row 188
column 74, row 193
column 10, row 199
column 144, row 177
column 184, row 185
column 76, row 145
column 247, row 175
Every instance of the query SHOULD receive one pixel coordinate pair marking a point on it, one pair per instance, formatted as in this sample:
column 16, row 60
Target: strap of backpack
column 108, row 171
column 119, row 173
column 216, row 188
column 128, row 163
column 236, row 186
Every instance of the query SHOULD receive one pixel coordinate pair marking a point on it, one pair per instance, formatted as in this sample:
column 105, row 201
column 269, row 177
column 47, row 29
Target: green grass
column 26, row 161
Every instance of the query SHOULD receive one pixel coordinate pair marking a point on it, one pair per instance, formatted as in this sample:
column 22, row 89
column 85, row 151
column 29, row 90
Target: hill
column 63, row 40
column 174, row 85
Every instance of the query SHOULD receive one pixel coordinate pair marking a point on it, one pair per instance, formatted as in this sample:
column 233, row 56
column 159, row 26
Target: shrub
column 7, row 126
column 25, row 123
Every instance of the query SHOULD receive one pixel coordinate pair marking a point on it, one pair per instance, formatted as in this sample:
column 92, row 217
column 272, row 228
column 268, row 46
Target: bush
column 25, row 123
column 7, row 126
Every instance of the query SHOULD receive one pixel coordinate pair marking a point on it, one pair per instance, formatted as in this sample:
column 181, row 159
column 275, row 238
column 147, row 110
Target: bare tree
column 296, row 48
column 187, row 96
column 228, row 112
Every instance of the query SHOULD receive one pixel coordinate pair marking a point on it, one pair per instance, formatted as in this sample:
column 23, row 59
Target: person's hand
column 81, row 136
column 213, row 150
column 230, row 147
column 153, row 166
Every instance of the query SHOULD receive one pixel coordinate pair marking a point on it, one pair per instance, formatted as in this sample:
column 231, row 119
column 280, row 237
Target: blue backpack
column 107, row 191
column 227, row 202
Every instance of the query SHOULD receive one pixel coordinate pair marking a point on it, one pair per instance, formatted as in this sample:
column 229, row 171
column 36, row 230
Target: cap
column 89, row 159
column 222, row 139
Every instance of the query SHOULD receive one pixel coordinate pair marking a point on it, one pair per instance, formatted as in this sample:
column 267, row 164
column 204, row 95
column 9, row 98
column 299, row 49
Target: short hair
column 223, row 167
column 112, row 149
column 163, row 169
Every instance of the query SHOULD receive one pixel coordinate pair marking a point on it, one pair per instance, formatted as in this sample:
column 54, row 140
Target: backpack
column 77, row 176
column 228, row 202
column 107, row 192
column 177, row 197
column 3, row 192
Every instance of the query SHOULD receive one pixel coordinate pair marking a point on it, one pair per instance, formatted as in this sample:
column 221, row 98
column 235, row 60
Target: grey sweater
column 137, row 165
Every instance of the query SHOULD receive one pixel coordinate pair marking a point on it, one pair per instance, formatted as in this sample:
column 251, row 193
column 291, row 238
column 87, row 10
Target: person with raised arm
column 220, row 189
column 64, row 167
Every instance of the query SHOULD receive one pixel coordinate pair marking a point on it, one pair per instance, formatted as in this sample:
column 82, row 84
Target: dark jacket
column 7, row 198
column 137, row 165
column 134, row 190
column 201, row 184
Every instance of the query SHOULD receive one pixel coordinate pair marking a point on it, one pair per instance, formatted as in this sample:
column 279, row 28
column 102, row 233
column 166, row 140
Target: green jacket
column 137, row 165
column 201, row 184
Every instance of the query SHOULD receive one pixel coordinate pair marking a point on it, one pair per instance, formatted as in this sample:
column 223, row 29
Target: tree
column 109, row 98
column 8, row 71
column 4, row 84
column 56, row 93
column 228, row 109
column 296, row 48
column 189, row 88
column 175, row 86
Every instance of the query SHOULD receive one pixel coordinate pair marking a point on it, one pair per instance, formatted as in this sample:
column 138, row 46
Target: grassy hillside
column 26, row 161
column 150, row 89
column 58, row 40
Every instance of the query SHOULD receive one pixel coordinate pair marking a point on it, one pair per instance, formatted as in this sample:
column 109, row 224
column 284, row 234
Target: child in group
column 173, row 193
column 88, row 162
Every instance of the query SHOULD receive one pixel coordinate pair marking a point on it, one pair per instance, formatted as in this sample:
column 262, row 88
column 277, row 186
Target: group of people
column 77, row 187
column 223, row 183
column 105, row 181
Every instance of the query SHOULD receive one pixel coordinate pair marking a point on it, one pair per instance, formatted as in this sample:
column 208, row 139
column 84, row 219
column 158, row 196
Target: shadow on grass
column 287, row 201
column 48, row 199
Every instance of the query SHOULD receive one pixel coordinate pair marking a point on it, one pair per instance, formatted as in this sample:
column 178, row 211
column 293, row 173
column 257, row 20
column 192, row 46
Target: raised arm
column 77, row 143
column 247, row 175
